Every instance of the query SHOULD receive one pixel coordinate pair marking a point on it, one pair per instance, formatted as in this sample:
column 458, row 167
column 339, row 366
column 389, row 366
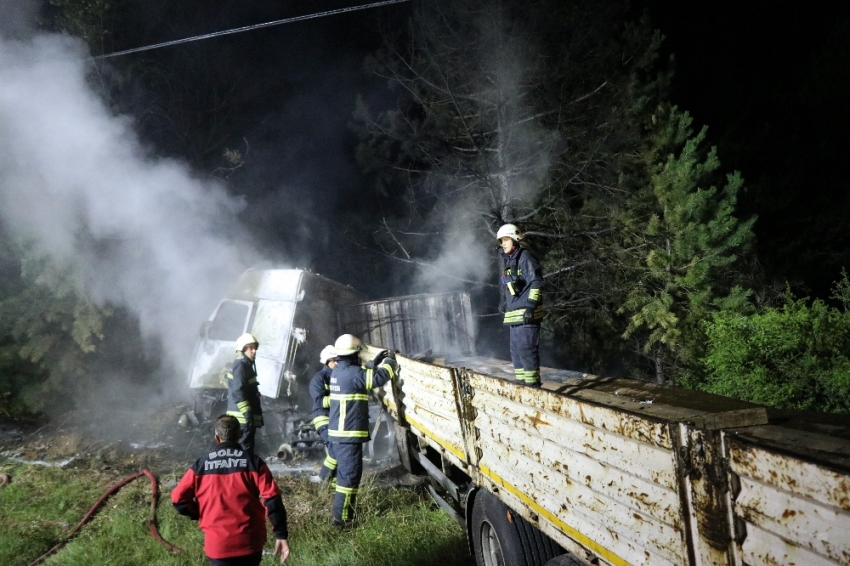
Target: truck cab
column 293, row 314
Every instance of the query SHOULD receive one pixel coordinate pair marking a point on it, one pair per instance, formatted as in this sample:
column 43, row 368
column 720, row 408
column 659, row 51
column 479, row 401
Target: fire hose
column 112, row 490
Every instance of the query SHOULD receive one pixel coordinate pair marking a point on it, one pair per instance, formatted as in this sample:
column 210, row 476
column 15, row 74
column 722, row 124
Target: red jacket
column 223, row 491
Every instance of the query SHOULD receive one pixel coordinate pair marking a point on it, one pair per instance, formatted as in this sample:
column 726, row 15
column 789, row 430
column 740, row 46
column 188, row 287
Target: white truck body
column 621, row 472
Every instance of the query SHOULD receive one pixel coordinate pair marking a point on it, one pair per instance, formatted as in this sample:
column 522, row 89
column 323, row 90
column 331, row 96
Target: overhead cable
column 252, row 27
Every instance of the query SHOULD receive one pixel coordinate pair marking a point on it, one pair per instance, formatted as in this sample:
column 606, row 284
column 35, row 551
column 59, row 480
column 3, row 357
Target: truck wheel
column 501, row 537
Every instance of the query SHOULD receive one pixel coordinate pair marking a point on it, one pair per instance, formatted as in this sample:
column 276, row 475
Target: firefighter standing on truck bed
column 320, row 390
column 521, row 283
column 348, row 428
column 223, row 492
column 243, row 394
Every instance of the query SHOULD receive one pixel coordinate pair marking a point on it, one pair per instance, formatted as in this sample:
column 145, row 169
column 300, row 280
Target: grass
column 396, row 526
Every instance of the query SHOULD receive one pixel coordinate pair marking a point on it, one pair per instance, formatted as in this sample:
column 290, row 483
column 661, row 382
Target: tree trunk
column 659, row 368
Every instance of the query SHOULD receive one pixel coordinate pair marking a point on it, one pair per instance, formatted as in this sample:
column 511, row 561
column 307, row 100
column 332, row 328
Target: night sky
column 769, row 79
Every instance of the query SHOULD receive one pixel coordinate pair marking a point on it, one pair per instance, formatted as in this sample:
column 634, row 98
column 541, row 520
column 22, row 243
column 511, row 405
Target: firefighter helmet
column 327, row 354
column 509, row 231
column 346, row 345
column 245, row 340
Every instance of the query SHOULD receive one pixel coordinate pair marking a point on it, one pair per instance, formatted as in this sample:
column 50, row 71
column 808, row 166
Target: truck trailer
column 595, row 470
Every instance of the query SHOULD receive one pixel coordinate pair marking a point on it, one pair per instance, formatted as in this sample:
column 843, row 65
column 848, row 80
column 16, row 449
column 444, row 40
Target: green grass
column 396, row 526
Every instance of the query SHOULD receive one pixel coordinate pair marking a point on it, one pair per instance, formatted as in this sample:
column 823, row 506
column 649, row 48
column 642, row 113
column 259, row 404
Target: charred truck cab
column 292, row 312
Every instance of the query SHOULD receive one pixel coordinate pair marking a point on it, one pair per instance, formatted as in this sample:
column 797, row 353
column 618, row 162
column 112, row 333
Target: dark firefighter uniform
column 222, row 491
column 243, row 399
column 320, row 388
column 522, row 282
column 348, row 429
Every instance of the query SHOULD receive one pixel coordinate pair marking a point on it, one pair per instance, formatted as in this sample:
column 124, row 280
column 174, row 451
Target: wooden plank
column 732, row 419
column 790, row 474
column 619, row 422
column 822, row 529
column 647, row 461
column 762, row 548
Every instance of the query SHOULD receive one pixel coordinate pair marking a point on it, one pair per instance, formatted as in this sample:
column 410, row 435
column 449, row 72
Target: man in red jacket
column 222, row 491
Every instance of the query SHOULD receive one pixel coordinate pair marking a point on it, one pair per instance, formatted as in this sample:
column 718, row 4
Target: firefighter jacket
column 320, row 388
column 223, row 491
column 243, row 394
column 522, row 282
column 350, row 386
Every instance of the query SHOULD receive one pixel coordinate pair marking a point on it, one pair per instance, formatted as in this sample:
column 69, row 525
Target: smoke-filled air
column 135, row 230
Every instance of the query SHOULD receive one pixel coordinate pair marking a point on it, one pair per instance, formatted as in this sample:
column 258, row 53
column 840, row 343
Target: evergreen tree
column 688, row 244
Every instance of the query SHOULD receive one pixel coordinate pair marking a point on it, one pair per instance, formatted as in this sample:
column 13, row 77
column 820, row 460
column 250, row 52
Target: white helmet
column 245, row 340
column 327, row 354
column 509, row 231
column 346, row 345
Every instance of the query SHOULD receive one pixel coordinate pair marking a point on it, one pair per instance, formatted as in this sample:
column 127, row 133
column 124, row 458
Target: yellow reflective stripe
column 534, row 294
column 320, row 421
column 343, row 407
column 514, row 316
column 239, row 416
column 511, row 289
column 348, row 490
column 348, row 433
column 370, row 378
column 326, row 402
column 229, row 375
column 349, row 396
column 389, row 368
column 329, row 463
column 243, row 406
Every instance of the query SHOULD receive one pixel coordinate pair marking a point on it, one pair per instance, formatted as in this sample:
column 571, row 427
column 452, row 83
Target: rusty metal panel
column 571, row 467
column 644, row 430
column 821, row 529
column 793, row 511
column 647, row 461
column 426, row 400
column 763, row 548
column 705, row 492
column 615, row 537
column 415, row 323
column 583, row 473
column 790, row 474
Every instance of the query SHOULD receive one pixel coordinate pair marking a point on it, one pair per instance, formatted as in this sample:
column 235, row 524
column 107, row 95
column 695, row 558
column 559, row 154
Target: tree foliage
column 688, row 238
column 48, row 330
column 796, row 356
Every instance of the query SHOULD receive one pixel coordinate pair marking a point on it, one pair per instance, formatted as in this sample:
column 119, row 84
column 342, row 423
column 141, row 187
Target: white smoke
column 142, row 232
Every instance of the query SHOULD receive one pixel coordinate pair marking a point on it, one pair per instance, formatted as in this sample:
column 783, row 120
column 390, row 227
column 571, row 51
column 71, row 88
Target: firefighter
column 521, row 283
column 243, row 395
column 229, row 492
column 348, row 428
column 320, row 388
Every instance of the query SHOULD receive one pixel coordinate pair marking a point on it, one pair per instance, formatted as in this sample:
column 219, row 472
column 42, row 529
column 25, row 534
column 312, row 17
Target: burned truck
column 294, row 313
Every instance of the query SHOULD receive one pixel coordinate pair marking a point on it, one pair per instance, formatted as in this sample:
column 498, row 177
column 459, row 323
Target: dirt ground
column 127, row 441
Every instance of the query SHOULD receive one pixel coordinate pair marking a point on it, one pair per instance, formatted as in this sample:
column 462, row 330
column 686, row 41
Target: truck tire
column 501, row 537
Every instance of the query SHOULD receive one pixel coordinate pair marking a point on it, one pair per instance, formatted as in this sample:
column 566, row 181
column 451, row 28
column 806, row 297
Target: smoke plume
column 139, row 231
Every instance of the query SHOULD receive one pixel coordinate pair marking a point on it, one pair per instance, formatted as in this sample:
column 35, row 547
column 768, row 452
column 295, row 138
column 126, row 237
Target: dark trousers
column 349, row 470
column 525, row 352
column 247, row 440
column 248, row 560
column 328, row 470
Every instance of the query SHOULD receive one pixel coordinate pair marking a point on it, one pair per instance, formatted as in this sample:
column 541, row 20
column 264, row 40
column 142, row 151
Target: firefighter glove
column 379, row 358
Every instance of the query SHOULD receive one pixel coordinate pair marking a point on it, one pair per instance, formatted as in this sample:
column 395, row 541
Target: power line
column 252, row 27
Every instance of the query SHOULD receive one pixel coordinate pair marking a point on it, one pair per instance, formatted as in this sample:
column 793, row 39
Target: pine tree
column 689, row 242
